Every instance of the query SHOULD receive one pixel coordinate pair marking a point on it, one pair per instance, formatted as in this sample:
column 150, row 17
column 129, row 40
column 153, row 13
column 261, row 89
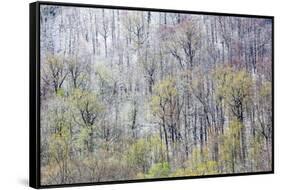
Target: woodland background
column 132, row 95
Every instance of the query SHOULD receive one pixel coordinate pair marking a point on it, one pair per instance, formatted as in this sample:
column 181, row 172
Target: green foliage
column 138, row 155
column 165, row 92
column 54, row 62
column 256, row 152
column 77, row 71
column 88, row 104
column 230, row 146
column 143, row 152
column 233, row 84
column 60, row 141
column 158, row 150
column 159, row 170
column 166, row 88
column 205, row 168
column 53, row 71
column 105, row 75
column 85, row 99
column 199, row 163
column 154, row 104
column 201, row 168
column 265, row 90
column 82, row 137
column 60, row 92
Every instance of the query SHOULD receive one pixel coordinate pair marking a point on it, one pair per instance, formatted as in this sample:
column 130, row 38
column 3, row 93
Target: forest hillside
column 140, row 94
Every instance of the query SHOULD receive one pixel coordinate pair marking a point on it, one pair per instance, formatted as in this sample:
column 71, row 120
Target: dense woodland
column 139, row 94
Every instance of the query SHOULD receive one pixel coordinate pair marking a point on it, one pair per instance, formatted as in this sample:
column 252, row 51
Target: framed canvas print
column 123, row 94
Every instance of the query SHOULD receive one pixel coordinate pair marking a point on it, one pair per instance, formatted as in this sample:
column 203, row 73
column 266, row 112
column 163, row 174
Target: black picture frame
column 34, row 92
